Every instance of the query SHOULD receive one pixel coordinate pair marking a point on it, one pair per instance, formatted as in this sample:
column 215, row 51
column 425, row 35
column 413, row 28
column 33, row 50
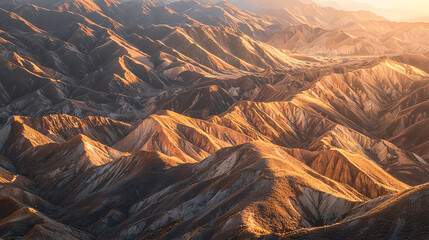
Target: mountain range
column 150, row 119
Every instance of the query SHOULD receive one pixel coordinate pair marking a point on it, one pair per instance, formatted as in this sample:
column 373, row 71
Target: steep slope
column 288, row 125
column 59, row 164
column 414, row 139
column 401, row 216
column 176, row 135
column 364, row 92
column 25, row 222
column 24, row 82
column 23, row 212
column 146, row 172
column 284, row 124
column 124, row 76
column 355, row 170
column 404, row 166
column 220, row 48
column 262, row 177
column 200, row 102
column 418, row 60
column 61, row 128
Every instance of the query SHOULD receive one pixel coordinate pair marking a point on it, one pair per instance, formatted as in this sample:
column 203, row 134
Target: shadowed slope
column 401, row 216
column 266, row 181
column 61, row 128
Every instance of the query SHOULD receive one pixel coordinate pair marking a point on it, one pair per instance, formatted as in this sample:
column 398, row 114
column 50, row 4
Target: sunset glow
column 418, row 5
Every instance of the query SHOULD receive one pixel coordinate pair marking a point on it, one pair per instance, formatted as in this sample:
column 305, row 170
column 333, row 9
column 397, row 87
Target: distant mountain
column 296, row 12
column 225, row 14
column 353, row 40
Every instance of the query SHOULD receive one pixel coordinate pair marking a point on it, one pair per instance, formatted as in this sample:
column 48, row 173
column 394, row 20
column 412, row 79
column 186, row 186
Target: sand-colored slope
column 282, row 123
column 404, row 166
column 220, row 48
column 355, row 170
column 262, row 177
column 179, row 136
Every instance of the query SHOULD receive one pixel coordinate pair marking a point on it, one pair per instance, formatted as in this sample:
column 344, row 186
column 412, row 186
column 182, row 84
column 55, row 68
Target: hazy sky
column 420, row 5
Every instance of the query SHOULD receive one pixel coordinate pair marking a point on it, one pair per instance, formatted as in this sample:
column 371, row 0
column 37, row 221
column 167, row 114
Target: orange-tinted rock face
column 200, row 120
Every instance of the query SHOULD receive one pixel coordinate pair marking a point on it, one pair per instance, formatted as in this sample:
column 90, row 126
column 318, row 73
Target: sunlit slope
column 262, row 177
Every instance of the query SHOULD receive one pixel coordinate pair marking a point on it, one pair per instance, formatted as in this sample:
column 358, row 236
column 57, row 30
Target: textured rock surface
column 200, row 120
